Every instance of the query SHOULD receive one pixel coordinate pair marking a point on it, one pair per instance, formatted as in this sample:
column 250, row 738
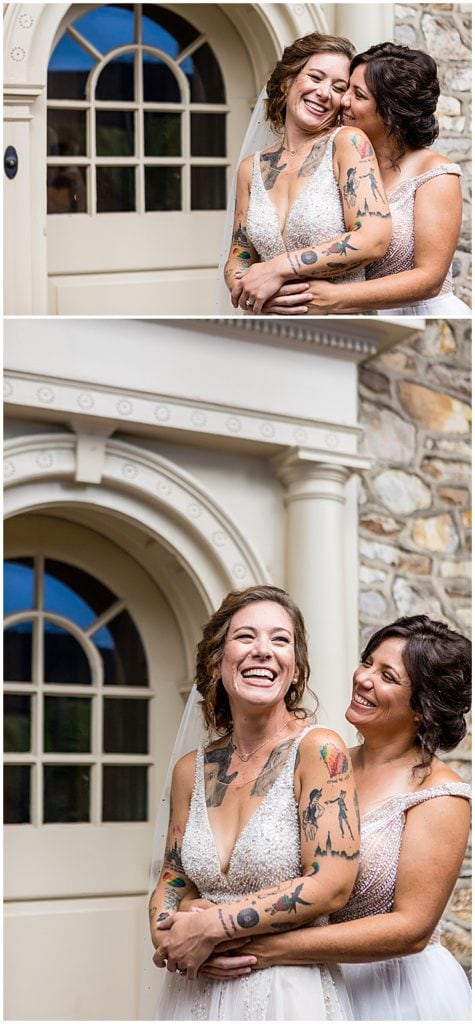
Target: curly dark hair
column 293, row 59
column 405, row 88
column 215, row 703
column 438, row 662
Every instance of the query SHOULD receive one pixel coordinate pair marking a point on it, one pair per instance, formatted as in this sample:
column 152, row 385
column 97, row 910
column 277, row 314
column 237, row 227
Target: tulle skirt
column 276, row 993
column 441, row 305
column 430, row 985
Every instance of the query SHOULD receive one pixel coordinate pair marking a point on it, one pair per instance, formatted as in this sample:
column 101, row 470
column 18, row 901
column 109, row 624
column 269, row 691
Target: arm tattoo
column 371, row 213
column 248, row 918
column 363, row 147
column 340, row 248
column 240, row 236
column 308, row 257
column 342, row 813
column 224, row 925
column 350, row 187
column 328, row 851
column 217, row 779
column 374, row 184
column 335, row 760
column 152, row 911
column 288, row 904
column 312, row 813
column 270, row 168
column 173, row 858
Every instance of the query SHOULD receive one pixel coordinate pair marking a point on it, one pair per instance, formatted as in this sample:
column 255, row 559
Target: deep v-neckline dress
column 315, row 216
column 266, row 852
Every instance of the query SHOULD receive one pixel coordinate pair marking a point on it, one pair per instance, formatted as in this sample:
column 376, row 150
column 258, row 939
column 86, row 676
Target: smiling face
column 258, row 664
column 382, row 692
column 358, row 107
column 314, row 97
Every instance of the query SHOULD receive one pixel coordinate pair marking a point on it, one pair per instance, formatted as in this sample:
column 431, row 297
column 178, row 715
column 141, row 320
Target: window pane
column 122, row 653
column 208, row 135
column 208, row 188
column 66, row 133
column 124, row 793
column 159, row 82
column 67, row 725
column 115, row 131
column 66, row 793
column 204, row 75
column 64, row 658
column 162, row 134
column 116, row 81
column 74, row 593
column 107, row 26
column 68, row 70
column 18, row 582
column 115, row 189
column 17, row 647
column 16, row 794
column 66, row 188
column 16, row 723
column 162, row 188
column 166, row 30
column 125, row 726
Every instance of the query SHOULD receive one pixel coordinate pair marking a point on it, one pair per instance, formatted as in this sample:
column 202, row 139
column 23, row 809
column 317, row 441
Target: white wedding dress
column 430, row 985
column 267, row 852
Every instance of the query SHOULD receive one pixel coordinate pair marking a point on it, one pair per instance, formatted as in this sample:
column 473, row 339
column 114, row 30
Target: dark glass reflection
column 115, row 133
column 17, row 649
column 122, row 653
column 16, row 723
column 115, row 189
column 16, row 794
column 64, row 658
column 76, row 594
column 66, row 132
column 68, row 70
column 208, row 188
column 159, row 82
column 166, row 30
column 116, row 81
column 66, row 188
column 204, row 75
column 67, row 725
column 124, row 793
column 107, row 26
column 125, row 726
column 66, row 793
column 208, row 135
column 162, row 134
column 18, row 585
column 163, row 188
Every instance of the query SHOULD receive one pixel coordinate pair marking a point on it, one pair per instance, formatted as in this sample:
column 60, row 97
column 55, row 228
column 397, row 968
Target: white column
column 365, row 24
column 315, row 574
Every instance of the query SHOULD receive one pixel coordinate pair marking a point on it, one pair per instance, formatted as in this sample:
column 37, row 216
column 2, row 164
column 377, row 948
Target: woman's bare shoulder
column 426, row 160
column 439, row 774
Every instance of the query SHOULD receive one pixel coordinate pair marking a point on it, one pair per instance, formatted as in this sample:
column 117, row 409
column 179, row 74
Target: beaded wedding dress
column 400, row 254
column 430, row 985
column 315, row 216
column 267, row 852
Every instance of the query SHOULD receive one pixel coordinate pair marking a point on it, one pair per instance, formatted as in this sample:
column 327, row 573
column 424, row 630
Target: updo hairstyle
column 293, row 59
column 215, row 703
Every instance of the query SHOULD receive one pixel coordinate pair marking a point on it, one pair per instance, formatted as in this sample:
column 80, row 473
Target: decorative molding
column 85, row 405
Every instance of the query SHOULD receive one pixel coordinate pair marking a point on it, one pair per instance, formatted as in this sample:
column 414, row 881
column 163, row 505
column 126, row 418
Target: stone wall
column 444, row 31
column 415, row 510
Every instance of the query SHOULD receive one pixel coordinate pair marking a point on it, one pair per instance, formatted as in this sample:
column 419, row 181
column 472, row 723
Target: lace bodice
column 382, row 830
column 316, row 215
column 267, row 850
column 400, row 254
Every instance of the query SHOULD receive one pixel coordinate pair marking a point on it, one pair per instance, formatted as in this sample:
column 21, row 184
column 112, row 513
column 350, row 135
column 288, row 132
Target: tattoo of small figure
column 312, row 813
column 363, row 146
column 248, row 918
column 288, row 903
column 271, row 168
column 309, row 257
column 340, row 248
column 374, row 184
column 223, row 922
column 350, row 186
column 335, row 760
column 342, row 812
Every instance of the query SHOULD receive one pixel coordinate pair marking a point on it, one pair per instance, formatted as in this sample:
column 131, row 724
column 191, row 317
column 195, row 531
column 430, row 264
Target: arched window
column 136, row 115
column 76, row 711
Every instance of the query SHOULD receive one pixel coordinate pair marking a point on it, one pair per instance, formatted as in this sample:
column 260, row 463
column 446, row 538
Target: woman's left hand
column 259, row 283
column 186, row 943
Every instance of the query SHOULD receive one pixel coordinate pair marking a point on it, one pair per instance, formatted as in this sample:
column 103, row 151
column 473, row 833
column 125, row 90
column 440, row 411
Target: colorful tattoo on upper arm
column 335, row 760
column 363, row 147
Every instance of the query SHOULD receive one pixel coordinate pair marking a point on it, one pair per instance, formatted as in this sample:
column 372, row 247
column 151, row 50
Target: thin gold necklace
column 245, row 757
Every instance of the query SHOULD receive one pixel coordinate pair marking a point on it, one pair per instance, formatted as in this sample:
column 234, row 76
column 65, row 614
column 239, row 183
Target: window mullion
column 139, row 132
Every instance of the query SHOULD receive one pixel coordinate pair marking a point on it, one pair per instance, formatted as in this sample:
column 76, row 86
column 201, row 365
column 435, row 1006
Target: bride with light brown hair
column 241, row 844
